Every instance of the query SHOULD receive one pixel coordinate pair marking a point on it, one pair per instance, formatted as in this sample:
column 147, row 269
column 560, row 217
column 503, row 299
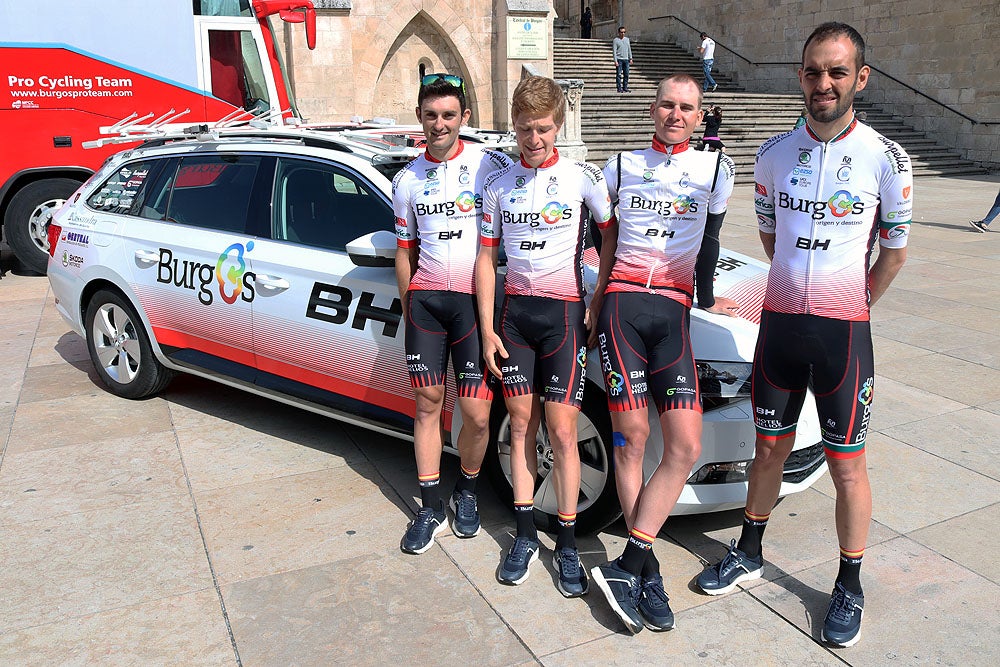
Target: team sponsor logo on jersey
column 430, row 174
column 463, row 176
column 899, row 161
column 519, row 182
column 765, row 222
column 844, row 174
column 647, row 175
column 804, row 157
column 802, row 171
column 581, row 357
column 894, row 232
column 865, row 397
column 763, row 204
column 906, row 192
column 680, row 205
column 552, row 189
column 760, row 189
column 685, row 181
column 800, row 181
column 840, row 204
column 902, row 214
column 615, row 383
column 401, row 222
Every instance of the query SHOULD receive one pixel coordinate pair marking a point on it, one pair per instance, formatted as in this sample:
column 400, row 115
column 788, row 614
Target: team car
column 263, row 259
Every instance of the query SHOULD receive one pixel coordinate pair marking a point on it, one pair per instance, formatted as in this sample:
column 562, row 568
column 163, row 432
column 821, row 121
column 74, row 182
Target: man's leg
column 471, row 442
column 626, row 68
column 618, row 75
column 427, row 444
column 525, row 415
column 633, row 425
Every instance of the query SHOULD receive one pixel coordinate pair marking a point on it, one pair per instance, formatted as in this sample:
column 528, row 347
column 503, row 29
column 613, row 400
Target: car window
column 320, row 205
column 120, row 191
column 213, row 192
column 155, row 196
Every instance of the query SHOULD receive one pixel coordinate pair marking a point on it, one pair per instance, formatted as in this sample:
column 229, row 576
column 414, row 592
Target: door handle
column 270, row 285
column 146, row 258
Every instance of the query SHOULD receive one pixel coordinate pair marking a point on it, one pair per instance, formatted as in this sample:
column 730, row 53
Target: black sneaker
column 420, row 532
column 653, row 605
column 514, row 566
column 466, row 522
column 734, row 569
column 842, row 626
column 573, row 580
column 979, row 226
column 623, row 590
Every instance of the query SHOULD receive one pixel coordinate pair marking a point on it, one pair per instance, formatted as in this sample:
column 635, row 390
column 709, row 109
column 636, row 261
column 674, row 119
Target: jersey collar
column 842, row 135
column 431, row 158
column 674, row 149
column 548, row 163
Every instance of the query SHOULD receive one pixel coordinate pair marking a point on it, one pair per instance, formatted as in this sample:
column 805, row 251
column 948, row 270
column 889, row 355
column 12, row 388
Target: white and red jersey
column 664, row 195
column 438, row 206
column 826, row 202
column 536, row 211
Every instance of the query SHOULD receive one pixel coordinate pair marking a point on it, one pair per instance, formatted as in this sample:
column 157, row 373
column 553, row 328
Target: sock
column 525, row 518
column 566, row 537
column 753, row 532
column 430, row 491
column 849, row 575
column 637, row 549
column 467, row 480
column 651, row 567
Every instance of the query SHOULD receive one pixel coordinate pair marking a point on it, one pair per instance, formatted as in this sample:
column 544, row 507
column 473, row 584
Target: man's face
column 536, row 137
column 676, row 113
column 829, row 78
column 621, row 32
column 441, row 119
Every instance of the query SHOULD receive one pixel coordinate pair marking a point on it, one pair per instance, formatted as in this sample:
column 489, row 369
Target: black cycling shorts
column 834, row 358
column 437, row 320
column 646, row 351
column 547, row 343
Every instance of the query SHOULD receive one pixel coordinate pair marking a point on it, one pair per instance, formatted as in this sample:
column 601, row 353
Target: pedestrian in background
column 984, row 224
column 623, row 59
column 707, row 52
column 710, row 140
column 586, row 23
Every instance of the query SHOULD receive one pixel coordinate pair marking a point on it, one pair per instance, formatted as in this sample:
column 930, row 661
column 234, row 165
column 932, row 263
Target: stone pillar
column 570, row 139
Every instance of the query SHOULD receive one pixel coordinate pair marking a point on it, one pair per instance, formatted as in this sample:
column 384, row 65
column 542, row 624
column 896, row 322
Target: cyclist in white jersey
column 671, row 202
column 535, row 206
column 437, row 200
column 825, row 192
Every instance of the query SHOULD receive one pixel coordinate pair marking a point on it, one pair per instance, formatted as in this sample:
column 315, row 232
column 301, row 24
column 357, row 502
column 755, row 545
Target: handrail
column 877, row 69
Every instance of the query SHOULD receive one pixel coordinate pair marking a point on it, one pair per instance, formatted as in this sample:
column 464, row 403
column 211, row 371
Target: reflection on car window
column 319, row 205
column 120, row 191
column 213, row 191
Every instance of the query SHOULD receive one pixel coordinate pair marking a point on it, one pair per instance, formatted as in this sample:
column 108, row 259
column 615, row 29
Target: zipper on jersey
column 534, row 208
column 448, row 221
column 649, row 278
column 824, row 152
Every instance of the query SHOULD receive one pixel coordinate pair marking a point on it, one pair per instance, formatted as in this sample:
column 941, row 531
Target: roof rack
column 130, row 128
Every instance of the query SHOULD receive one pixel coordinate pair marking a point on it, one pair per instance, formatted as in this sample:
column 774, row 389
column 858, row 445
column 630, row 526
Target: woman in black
column 710, row 140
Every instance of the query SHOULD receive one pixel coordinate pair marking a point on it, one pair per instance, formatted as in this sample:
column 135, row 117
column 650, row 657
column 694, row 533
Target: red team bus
column 70, row 67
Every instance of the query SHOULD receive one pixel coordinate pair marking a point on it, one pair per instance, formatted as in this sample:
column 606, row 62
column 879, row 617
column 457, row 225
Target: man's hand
column 492, row 345
column 724, row 306
column 590, row 320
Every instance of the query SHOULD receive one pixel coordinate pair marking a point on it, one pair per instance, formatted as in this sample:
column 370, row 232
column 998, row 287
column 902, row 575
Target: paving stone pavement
column 206, row 526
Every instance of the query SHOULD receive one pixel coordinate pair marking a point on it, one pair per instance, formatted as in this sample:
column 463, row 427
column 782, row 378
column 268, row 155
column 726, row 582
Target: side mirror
column 377, row 249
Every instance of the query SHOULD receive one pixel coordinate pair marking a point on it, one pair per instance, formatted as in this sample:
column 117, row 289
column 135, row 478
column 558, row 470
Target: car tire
column 120, row 348
column 599, row 504
column 28, row 216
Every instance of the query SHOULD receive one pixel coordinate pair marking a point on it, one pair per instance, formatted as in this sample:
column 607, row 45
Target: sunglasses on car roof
column 451, row 79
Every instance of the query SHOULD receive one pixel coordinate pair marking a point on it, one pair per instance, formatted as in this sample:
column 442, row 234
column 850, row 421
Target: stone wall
column 947, row 50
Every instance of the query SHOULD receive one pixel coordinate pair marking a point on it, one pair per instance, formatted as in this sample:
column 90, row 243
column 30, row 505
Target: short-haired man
column 707, row 53
column 622, row 48
column 825, row 192
column 437, row 200
column 534, row 207
column 671, row 202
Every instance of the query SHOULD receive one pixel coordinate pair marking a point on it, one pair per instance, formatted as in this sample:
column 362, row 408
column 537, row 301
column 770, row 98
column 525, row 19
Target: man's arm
column 704, row 269
column 486, row 288
column 767, row 241
column 406, row 265
column 609, row 245
column 886, row 266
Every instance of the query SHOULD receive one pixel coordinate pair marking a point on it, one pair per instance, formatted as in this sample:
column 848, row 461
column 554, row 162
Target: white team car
column 263, row 260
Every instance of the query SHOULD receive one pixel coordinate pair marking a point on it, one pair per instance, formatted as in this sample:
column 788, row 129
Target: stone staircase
column 613, row 121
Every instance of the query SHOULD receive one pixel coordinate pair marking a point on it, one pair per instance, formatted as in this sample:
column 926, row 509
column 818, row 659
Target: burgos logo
column 229, row 272
column 842, row 203
column 683, row 204
column 468, row 201
column 553, row 212
column 615, row 382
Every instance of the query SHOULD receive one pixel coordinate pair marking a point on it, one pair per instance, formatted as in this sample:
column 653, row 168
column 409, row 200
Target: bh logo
column 842, row 203
column 682, row 204
column 552, row 212
column 615, row 383
column 229, row 271
column 466, row 201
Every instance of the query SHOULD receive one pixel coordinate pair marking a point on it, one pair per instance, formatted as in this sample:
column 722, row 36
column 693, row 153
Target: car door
column 326, row 330
column 189, row 248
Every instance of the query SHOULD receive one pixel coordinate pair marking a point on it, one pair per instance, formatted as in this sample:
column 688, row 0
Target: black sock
column 637, row 550
column 849, row 575
column 466, row 480
column 430, row 491
column 566, row 537
column 753, row 533
column 525, row 518
column 651, row 567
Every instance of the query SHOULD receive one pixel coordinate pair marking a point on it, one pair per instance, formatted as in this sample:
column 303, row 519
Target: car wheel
column 598, row 505
column 27, row 221
column 120, row 348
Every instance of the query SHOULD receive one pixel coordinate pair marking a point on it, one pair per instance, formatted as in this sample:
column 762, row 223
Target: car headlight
column 723, row 382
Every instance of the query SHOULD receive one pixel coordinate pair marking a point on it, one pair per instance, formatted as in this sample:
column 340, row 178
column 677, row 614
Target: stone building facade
column 370, row 53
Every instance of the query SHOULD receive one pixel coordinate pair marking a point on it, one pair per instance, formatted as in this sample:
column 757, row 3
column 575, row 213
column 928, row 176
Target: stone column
column 570, row 139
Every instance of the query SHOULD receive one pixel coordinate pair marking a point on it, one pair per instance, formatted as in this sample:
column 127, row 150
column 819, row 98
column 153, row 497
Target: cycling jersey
column 825, row 202
column 664, row 194
column 438, row 205
column 537, row 212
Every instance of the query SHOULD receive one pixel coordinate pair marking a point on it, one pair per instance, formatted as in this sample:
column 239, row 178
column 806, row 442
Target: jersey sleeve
column 725, row 176
column 610, row 173
column 763, row 191
column 406, row 221
column 489, row 227
column 595, row 195
column 895, row 198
